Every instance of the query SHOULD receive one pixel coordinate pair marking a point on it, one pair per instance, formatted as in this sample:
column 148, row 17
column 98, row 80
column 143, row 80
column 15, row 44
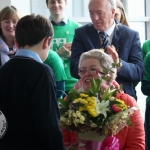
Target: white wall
column 39, row 7
column 4, row 3
column 24, row 6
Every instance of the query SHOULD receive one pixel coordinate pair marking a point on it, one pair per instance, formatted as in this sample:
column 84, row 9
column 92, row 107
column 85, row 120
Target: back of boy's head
column 32, row 29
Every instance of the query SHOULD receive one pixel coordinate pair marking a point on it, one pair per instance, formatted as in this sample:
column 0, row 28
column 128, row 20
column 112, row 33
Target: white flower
column 101, row 108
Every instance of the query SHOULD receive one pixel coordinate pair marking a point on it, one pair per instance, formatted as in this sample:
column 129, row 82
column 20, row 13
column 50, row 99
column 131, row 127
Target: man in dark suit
column 122, row 41
column 28, row 91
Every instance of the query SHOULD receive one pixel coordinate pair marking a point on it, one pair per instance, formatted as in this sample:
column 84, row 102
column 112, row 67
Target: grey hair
column 112, row 4
column 104, row 59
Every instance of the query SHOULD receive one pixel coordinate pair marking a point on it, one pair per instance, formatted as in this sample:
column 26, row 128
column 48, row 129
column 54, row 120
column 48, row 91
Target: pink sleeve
column 132, row 138
column 78, row 85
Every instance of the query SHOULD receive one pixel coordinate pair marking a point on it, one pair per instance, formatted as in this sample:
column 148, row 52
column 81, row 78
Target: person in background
column 28, row 90
column 145, row 87
column 121, row 17
column 9, row 16
column 55, row 62
column 106, row 34
column 63, row 36
column 120, row 13
column 145, row 48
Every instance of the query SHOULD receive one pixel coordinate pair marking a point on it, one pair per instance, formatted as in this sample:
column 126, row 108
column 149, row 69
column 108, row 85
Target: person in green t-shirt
column 54, row 61
column 145, row 48
column 145, row 87
column 63, row 35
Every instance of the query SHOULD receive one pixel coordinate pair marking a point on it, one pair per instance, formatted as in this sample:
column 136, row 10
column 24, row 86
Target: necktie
column 104, row 41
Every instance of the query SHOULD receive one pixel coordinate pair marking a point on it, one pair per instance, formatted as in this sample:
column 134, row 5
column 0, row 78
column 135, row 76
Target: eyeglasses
column 91, row 71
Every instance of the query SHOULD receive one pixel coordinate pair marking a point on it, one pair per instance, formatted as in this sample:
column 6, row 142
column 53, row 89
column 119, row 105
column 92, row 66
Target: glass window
column 136, row 8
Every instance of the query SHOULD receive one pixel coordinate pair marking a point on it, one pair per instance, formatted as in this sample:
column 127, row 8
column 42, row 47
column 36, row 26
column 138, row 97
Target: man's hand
column 112, row 51
column 65, row 50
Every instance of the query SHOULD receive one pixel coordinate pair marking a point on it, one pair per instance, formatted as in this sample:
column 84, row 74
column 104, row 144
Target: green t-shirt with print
column 65, row 34
column 147, row 71
column 55, row 62
column 145, row 48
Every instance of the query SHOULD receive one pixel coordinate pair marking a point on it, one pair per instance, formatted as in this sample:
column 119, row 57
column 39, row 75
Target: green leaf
column 104, row 78
column 63, row 102
column 121, row 86
column 62, row 110
column 98, row 81
column 114, row 102
column 113, row 65
column 72, row 96
column 105, row 71
column 90, row 93
column 72, row 91
column 105, row 94
column 110, row 93
column 93, row 86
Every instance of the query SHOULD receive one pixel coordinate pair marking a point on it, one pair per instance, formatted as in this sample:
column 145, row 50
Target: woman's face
column 90, row 68
column 118, row 14
column 8, row 27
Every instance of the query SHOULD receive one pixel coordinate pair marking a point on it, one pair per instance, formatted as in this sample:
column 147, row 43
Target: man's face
column 56, row 7
column 101, row 15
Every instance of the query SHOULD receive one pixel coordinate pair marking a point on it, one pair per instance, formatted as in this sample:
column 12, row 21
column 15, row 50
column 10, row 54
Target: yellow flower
column 122, row 106
column 83, row 95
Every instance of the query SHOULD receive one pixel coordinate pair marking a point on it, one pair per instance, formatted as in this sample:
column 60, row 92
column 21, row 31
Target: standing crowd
column 42, row 59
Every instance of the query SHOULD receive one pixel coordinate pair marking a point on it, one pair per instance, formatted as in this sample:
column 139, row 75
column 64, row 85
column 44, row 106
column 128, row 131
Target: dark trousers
column 147, row 125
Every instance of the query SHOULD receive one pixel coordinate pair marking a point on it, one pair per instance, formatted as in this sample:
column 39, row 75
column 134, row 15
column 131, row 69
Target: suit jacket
column 127, row 44
column 28, row 101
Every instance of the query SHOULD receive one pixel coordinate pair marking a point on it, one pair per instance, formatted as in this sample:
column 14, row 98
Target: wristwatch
column 120, row 66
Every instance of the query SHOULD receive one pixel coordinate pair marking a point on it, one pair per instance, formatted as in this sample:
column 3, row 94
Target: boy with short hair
column 28, row 91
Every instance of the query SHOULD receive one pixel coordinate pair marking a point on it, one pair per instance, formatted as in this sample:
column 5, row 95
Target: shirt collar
column 65, row 20
column 110, row 30
column 28, row 53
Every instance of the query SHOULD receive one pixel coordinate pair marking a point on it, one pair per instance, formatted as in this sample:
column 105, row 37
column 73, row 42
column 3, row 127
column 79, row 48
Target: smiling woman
column 9, row 17
column 95, row 65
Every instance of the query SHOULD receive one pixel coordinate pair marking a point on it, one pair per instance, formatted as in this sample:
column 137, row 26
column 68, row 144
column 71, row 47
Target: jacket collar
column 116, row 36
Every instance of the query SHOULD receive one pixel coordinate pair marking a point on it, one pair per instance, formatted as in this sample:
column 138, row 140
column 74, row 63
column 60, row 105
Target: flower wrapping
column 110, row 143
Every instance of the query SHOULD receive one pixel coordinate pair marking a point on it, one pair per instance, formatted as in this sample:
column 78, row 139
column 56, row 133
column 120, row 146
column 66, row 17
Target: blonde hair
column 8, row 12
column 124, row 19
column 104, row 59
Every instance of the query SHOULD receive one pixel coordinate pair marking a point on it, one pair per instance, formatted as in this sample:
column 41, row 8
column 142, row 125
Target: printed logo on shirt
column 57, row 43
column 65, row 62
column 3, row 125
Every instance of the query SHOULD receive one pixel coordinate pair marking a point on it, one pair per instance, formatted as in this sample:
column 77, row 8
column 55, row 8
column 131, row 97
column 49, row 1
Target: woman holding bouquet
column 92, row 65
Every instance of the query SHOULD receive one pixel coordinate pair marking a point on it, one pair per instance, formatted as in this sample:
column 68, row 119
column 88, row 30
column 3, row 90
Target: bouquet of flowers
column 98, row 110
